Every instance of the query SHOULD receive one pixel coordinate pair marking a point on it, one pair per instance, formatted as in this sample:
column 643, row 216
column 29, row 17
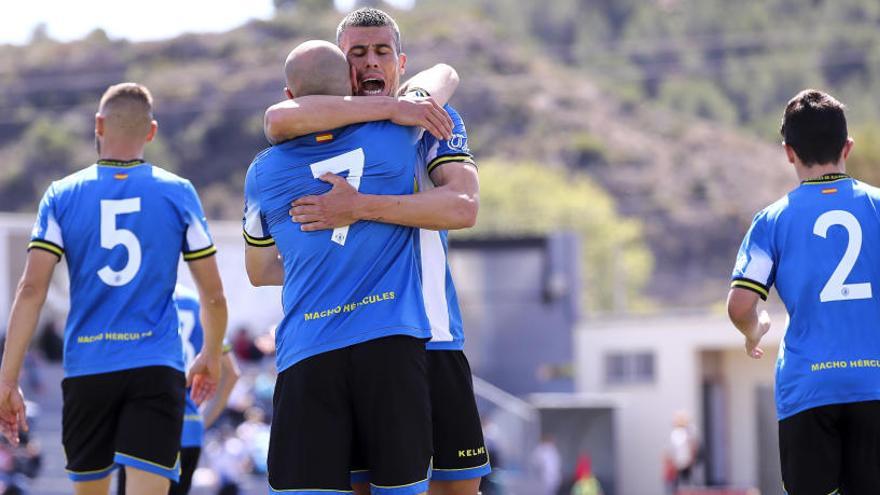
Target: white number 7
column 353, row 161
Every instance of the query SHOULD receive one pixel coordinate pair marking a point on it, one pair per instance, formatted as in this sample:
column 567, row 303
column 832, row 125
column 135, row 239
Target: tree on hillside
column 528, row 199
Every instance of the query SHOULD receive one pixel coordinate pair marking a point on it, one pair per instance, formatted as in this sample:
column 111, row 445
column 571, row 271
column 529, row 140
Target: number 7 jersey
column 122, row 228
column 819, row 246
column 348, row 285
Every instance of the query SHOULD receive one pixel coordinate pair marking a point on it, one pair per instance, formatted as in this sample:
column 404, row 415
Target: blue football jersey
column 815, row 246
column 441, row 300
column 192, row 335
column 122, row 227
column 351, row 284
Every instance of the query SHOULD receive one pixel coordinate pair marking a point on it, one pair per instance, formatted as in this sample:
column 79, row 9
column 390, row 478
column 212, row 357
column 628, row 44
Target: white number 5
column 353, row 161
column 835, row 289
column 112, row 237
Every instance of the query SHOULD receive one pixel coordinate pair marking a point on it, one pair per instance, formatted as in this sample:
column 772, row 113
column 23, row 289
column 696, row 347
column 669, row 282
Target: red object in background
column 584, row 467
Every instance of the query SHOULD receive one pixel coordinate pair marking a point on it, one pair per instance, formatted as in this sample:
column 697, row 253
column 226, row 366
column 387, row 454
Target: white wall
column 646, row 411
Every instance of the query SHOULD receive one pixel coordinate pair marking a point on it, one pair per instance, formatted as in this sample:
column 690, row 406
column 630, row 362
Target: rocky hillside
column 693, row 183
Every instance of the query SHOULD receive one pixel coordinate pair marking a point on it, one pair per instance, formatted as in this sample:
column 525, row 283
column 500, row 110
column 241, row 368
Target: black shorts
column 373, row 395
column 830, row 448
column 459, row 450
column 130, row 417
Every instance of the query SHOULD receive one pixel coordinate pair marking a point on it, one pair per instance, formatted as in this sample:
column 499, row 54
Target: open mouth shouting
column 372, row 86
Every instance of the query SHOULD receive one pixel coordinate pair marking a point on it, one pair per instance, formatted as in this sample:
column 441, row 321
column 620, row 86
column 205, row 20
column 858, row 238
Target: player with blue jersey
column 122, row 224
column 815, row 246
column 192, row 337
column 350, row 347
column 447, row 199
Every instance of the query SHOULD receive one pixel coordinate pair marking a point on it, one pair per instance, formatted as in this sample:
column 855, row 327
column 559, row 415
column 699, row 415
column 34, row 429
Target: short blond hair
column 127, row 109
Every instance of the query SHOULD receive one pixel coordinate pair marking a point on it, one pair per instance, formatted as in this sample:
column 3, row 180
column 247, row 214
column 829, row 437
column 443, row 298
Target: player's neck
column 817, row 171
column 121, row 151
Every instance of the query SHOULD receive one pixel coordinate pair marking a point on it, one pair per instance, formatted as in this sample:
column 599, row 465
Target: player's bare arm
column 29, row 298
column 439, row 81
column 293, row 118
column 452, row 204
column 263, row 265
column 314, row 113
column 204, row 374
column 229, row 375
column 742, row 308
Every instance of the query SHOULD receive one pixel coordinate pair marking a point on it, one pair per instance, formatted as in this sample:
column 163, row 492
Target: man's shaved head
column 317, row 68
column 127, row 109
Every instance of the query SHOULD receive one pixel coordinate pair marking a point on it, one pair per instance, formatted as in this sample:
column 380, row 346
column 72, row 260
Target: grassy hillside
column 622, row 94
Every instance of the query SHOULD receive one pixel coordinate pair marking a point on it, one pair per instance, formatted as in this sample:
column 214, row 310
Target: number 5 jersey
column 122, row 227
column 819, row 246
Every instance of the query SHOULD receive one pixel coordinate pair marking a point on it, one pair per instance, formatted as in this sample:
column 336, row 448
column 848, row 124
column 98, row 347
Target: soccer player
column 815, row 245
column 122, row 223
column 350, row 349
column 195, row 423
column 448, row 199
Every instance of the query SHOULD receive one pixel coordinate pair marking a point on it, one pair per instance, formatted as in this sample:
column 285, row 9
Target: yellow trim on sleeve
column 46, row 246
column 201, row 253
column 451, row 158
column 253, row 241
column 745, row 284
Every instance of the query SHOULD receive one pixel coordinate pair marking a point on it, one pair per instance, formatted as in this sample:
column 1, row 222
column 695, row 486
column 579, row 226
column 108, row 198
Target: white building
column 650, row 368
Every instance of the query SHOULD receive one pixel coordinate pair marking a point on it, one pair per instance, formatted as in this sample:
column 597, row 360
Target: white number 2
column 835, row 289
column 112, row 237
column 353, row 161
column 187, row 325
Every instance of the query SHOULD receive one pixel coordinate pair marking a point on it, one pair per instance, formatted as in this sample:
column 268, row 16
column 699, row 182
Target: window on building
column 626, row 368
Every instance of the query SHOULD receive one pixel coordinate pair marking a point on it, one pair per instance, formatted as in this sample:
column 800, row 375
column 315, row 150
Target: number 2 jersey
column 819, row 246
column 122, row 227
column 348, row 285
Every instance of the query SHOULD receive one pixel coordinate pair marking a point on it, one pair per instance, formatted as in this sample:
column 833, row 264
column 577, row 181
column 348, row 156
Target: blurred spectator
column 681, row 455
column 229, row 459
column 243, row 346
column 50, row 342
column 546, row 465
column 254, row 432
column 585, row 483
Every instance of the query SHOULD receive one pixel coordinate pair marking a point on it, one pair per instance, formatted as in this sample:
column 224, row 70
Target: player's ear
column 847, row 148
column 402, row 58
column 789, row 152
column 288, row 93
column 99, row 124
column 154, row 126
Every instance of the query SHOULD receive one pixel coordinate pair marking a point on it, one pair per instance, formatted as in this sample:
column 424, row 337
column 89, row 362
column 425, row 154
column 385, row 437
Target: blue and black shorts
column 123, row 418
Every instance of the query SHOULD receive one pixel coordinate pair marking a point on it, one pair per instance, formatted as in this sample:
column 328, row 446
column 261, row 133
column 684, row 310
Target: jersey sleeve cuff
column 419, row 92
column 201, row 253
column 440, row 160
column 46, row 246
column 758, row 288
column 258, row 241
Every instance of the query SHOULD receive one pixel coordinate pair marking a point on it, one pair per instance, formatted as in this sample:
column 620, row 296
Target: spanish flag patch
column 120, row 176
column 323, row 138
column 830, row 190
